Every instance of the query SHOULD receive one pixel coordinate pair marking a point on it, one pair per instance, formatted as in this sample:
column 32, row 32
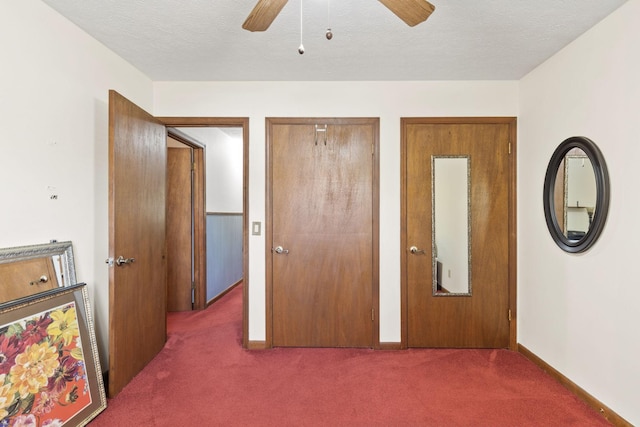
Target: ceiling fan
column 412, row 12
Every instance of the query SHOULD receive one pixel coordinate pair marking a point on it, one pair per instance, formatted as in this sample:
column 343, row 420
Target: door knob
column 42, row 279
column 280, row 250
column 414, row 250
column 122, row 260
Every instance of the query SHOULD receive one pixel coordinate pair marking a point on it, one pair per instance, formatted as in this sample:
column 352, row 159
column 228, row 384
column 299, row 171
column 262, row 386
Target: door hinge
column 372, row 314
column 509, row 148
column 510, row 315
column 193, row 286
column 193, row 166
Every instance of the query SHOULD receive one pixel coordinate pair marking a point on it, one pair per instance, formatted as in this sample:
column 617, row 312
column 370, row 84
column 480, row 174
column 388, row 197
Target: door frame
column 512, row 238
column 242, row 122
column 199, row 238
column 375, row 238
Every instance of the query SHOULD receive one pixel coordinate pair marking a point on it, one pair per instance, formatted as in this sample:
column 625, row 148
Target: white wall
column 387, row 100
column 223, row 164
column 580, row 312
column 54, row 82
column 224, row 173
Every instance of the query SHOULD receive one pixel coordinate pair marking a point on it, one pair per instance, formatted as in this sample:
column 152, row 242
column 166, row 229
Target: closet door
column 322, row 203
column 457, row 205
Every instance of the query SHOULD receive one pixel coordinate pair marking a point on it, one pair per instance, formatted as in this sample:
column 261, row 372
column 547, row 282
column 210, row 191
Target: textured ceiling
column 196, row 40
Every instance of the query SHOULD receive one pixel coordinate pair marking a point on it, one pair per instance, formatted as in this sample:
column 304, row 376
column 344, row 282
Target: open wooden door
column 137, row 277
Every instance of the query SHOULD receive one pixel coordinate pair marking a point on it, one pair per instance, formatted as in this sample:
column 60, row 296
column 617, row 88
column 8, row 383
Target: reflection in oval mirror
column 576, row 194
column 451, row 234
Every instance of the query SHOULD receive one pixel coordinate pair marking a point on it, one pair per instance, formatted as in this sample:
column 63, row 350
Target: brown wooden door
column 179, row 228
column 137, row 191
column 480, row 319
column 322, row 197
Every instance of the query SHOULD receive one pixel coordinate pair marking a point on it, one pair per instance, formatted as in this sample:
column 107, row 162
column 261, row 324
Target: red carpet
column 203, row 377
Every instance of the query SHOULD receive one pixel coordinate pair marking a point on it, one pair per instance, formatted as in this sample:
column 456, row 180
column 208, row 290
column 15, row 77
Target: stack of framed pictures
column 50, row 371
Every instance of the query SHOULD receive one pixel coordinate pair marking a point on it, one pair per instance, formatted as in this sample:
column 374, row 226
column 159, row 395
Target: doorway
column 137, row 234
column 322, row 232
column 458, row 266
column 190, row 126
column 223, row 210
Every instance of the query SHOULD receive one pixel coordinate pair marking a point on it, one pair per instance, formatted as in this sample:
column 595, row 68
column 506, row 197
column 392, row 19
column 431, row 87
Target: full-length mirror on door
column 451, row 231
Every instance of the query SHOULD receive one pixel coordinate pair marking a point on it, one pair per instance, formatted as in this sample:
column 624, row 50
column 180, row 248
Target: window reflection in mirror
column 451, row 233
column 575, row 194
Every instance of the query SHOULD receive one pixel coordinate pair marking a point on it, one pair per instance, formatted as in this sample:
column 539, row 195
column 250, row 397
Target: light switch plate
column 255, row 228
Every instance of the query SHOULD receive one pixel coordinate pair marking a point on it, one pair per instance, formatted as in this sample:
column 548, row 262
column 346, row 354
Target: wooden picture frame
column 49, row 366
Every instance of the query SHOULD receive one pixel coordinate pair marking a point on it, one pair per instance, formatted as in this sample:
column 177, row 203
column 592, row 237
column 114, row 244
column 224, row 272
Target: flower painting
column 43, row 374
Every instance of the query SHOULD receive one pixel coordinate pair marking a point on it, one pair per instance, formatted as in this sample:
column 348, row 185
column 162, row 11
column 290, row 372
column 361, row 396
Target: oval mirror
column 576, row 194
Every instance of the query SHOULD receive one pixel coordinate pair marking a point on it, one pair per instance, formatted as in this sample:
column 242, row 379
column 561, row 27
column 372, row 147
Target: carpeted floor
column 203, row 377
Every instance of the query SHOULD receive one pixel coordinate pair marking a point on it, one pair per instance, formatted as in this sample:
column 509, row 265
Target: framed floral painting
column 50, row 372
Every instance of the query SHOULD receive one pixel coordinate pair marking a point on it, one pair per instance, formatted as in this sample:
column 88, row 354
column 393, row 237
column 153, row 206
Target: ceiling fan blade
column 263, row 14
column 412, row 12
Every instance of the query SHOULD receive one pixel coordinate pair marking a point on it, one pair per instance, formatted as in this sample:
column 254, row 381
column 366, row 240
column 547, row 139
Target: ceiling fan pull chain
column 301, row 47
column 329, row 34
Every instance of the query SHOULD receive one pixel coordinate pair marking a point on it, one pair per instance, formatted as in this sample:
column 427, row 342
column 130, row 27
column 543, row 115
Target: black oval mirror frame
column 602, row 197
